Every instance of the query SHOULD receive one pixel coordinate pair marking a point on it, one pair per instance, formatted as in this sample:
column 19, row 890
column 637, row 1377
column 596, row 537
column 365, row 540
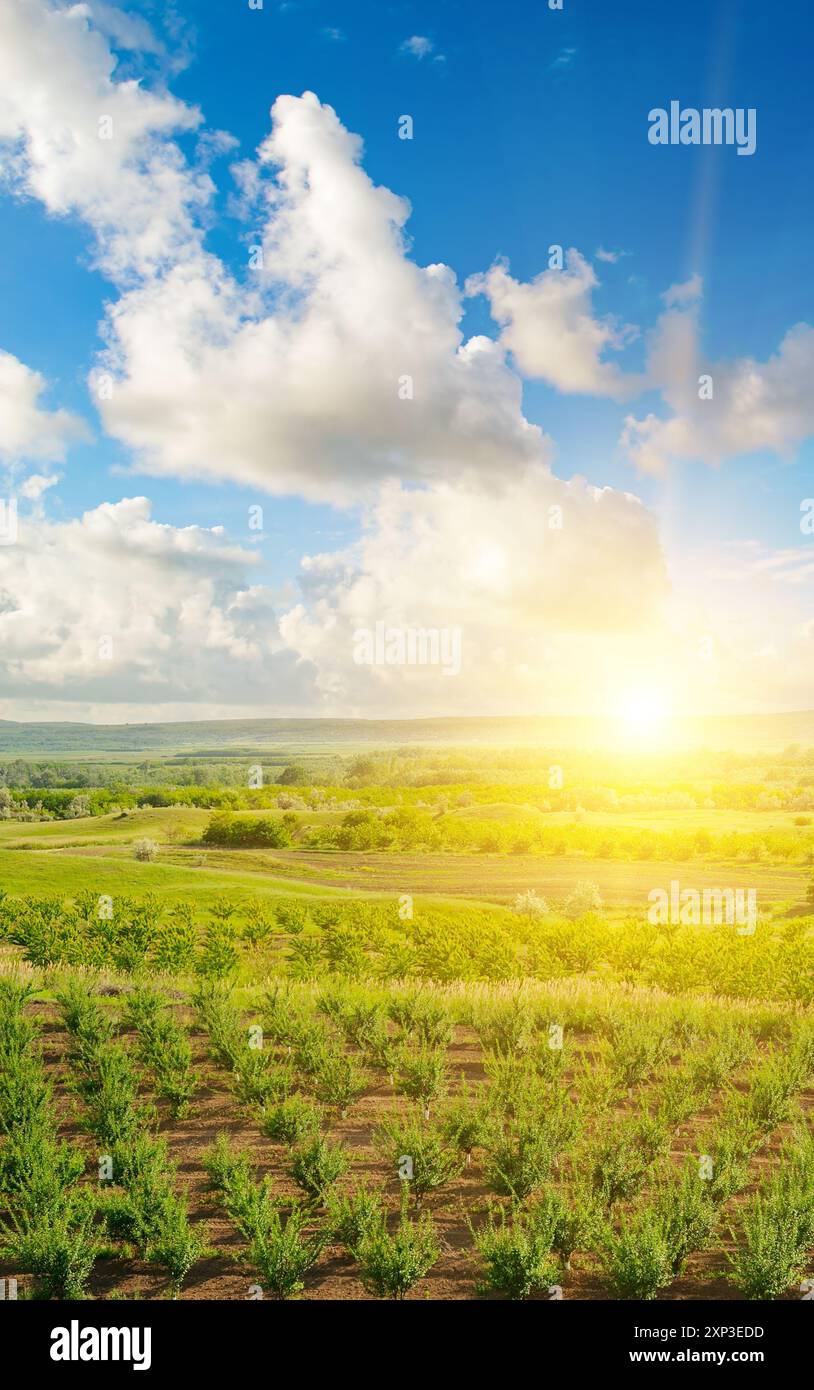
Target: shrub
column 506, row 1028
column 519, row 1161
column 430, row 1164
column 516, row 1256
column 355, row 1217
column 584, row 899
column 258, row 1079
column 176, row 1247
column 285, row 1249
column 58, row 1247
column 291, row 1121
column 530, row 904
column 637, row 1259
column 424, row 1076
column 686, row 1216
column 568, row 1225
column 339, row 1081
column 391, row 1265
column 145, row 851
column 770, row 1258
column 316, row 1165
column 464, row 1123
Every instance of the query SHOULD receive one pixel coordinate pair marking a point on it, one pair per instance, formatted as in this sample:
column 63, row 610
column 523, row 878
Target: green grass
column 63, row 875
column 164, row 824
column 59, row 858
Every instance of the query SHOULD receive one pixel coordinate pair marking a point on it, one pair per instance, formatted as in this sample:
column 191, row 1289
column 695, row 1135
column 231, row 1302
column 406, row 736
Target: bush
column 516, row 1257
column 637, row 1259
column 145, row 851
column 519, row 1162
column 58, row 1247
column 771, row 1258
column 285, row 1249
column 316, row 1165
column 585, row 898
column 424, row 1076
column 686, row 1215
column 430, row 1161
column 530, row 904
column 176, row 1247
column 391, row 1265
column 291, row 1121
column 339, row 1081
column 354, row 1218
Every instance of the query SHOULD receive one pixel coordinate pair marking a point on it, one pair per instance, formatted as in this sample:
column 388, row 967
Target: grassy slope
column 64, row 857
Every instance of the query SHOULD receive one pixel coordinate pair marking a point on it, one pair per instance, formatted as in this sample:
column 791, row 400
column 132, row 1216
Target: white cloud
column 754, row 405
column 27, row 431
column 57, row 92
column 418, row 46
column 300, row 380
column 173, row 605
column 127, row 31
column 537, row 603
column 37, row 485
column 549, row 326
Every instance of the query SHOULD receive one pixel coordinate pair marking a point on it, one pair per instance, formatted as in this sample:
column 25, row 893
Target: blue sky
column 530, row 129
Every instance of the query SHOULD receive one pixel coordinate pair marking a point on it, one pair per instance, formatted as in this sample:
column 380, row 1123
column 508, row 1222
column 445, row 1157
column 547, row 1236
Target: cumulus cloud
column 115, row 607
column 550, row 328
column 27, row 430
column 37, row 485
column 82, row 142
column 545, row 579
column 337, row 363
column 721, row 410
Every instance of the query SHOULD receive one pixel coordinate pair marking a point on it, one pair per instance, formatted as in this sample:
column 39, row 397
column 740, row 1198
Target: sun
column 644, row 714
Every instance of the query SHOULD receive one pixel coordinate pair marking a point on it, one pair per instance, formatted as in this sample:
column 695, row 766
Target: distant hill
column 220, row 736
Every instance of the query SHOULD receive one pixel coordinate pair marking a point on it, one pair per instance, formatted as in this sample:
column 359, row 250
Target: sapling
column 354, row 1217
column 283, row 1016
column 519, row 1161
column 506, row 1028
column 221, row 1020
column 391, row 1265
column 686, row 1215
column 637, row 1258
column 617, row 1167
column 291, row 1120
column 424, row 1077
column 516, row 1257
column 252, row 1206
column 285, row 1250
column 418, row 1155
column 679, row 1096
column 769, row 1259
column 223, row 1161
column 58, row 1247
column 317, row 1164
column 638, row 1046
column 176, row 1246
column 258, row 1079
column 571, row 1223
column 340, row 1081
column 464, row 1122
column 433, row 1026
